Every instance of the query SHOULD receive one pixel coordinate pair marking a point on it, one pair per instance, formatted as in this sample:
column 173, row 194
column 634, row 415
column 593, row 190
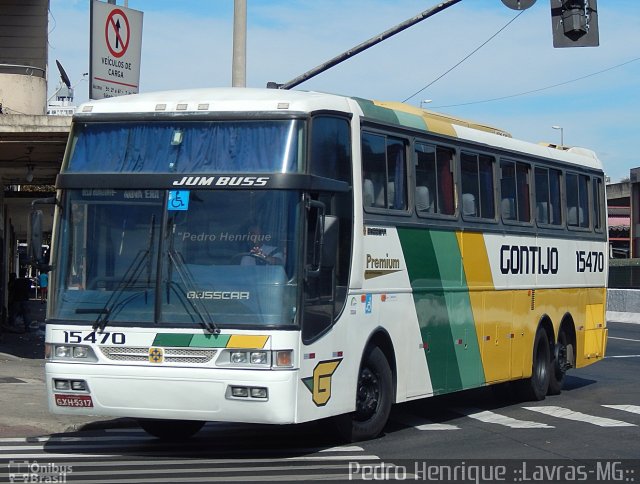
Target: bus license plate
column 74, row 401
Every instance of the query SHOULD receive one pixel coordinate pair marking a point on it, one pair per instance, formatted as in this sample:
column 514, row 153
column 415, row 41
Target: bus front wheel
column 171, row 429
column 536, row 387
column 374, row 393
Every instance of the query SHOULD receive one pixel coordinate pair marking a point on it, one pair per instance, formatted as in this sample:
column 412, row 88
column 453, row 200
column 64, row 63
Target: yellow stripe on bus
column 476, row 262
column 247, row 341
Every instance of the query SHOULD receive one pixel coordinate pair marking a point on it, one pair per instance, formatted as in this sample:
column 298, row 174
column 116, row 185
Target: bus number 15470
column 93, row 337
column 589, row 261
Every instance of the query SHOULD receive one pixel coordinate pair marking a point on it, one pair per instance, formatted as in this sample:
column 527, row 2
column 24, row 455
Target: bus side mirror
column 330, row 241
column 34, row 248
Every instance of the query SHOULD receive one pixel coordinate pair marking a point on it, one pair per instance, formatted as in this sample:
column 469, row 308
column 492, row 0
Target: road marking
column 625, row 408
column 567, row 414
column 423, row 423
column 495, row 418
column 346, row 448
column 623, row 356
column 624, row 339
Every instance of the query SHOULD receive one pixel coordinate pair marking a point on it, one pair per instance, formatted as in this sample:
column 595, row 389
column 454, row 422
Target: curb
column 622, row 317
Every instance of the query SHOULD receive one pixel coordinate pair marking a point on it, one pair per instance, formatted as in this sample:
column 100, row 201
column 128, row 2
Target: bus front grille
column 171, row 355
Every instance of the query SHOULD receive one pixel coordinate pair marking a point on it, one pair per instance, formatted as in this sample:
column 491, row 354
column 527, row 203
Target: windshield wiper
column 130, row 277
column 187, row 280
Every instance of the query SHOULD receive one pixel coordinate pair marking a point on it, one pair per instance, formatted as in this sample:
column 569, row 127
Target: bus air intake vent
column 171, row 355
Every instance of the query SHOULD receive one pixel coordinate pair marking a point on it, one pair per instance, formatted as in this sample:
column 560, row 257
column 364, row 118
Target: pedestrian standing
column 43, row 280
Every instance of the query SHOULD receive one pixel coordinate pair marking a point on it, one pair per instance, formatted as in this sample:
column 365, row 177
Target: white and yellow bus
column 269, row 256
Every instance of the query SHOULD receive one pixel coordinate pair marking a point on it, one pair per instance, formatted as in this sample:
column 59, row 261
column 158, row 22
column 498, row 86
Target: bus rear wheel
column 536, row 387
column 171, row 429
column 373, row 400
column 562, row 358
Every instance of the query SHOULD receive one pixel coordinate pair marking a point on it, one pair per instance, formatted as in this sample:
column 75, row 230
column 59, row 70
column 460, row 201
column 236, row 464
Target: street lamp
column 561, row 134
column 425, row 101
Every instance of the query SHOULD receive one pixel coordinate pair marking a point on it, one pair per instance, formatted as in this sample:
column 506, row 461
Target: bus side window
column 396, row 174
column 374, row 170
column 434, row 179
column 547, row 192
column 384, row 172
column 514, row 189
column 597, row 204
column 555, row 199
column 477, row 186
column 577, row 200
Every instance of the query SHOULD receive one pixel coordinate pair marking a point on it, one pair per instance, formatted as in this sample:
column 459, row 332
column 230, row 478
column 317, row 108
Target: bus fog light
column 63, row 351
column 79, row 385
column 238, row 357
column 80, row 351
column 259, row 392
column 284, row 358
column 62, row 384
column 239, row 392
column 259, row 357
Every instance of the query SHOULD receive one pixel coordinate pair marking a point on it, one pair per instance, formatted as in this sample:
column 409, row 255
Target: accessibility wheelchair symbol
column 178, row 200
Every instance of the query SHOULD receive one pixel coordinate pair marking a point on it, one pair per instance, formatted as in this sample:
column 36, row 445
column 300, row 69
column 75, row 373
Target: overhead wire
column 539, row 89
column 465, row 58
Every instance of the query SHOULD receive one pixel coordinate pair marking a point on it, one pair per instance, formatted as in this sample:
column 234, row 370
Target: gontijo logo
column 320, row 383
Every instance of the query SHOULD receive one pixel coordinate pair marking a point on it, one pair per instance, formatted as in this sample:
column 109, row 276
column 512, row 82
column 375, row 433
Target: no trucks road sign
column 116, row 44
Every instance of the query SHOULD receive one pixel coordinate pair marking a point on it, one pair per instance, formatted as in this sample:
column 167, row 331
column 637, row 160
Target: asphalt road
column 596, row 417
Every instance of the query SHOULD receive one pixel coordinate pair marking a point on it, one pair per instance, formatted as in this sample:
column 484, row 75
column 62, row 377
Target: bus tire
column 374, row 395
column 559, row 364
column 170, row 429
column 536, row 387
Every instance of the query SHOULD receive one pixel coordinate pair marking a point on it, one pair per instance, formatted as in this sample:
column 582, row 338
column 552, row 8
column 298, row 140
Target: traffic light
column 574, row 23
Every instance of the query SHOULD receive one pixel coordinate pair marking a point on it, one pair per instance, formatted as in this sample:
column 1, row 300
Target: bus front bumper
column 173, row 393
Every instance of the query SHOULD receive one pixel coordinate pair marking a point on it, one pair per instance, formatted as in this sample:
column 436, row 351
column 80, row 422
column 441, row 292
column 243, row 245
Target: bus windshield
column 137, row 257
column 263, row 146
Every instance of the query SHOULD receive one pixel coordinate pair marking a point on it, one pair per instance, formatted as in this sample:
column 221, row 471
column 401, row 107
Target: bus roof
column 276, row 100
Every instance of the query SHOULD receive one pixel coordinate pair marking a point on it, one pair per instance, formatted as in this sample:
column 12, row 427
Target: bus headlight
column 238, row 357
column 255, row 358
column 258, row 357
column 62, row 351
column 80, row 351
column 69, row 352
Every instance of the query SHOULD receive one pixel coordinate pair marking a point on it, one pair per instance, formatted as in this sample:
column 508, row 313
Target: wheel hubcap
column 368, row 395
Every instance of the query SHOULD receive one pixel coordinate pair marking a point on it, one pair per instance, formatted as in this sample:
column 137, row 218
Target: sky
column 596, row 98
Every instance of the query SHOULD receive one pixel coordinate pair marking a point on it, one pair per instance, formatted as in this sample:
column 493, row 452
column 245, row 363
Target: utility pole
column 239, row 63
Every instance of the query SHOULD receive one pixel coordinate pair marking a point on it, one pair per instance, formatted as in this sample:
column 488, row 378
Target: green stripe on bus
column 172, row 339
column 443, row 307
column 210, row 340
column 463, row 328
column 411, row 120
column 431, row 308
column 379, row 113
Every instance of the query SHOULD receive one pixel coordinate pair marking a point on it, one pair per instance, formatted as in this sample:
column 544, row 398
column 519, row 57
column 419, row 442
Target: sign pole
column 239, row 65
